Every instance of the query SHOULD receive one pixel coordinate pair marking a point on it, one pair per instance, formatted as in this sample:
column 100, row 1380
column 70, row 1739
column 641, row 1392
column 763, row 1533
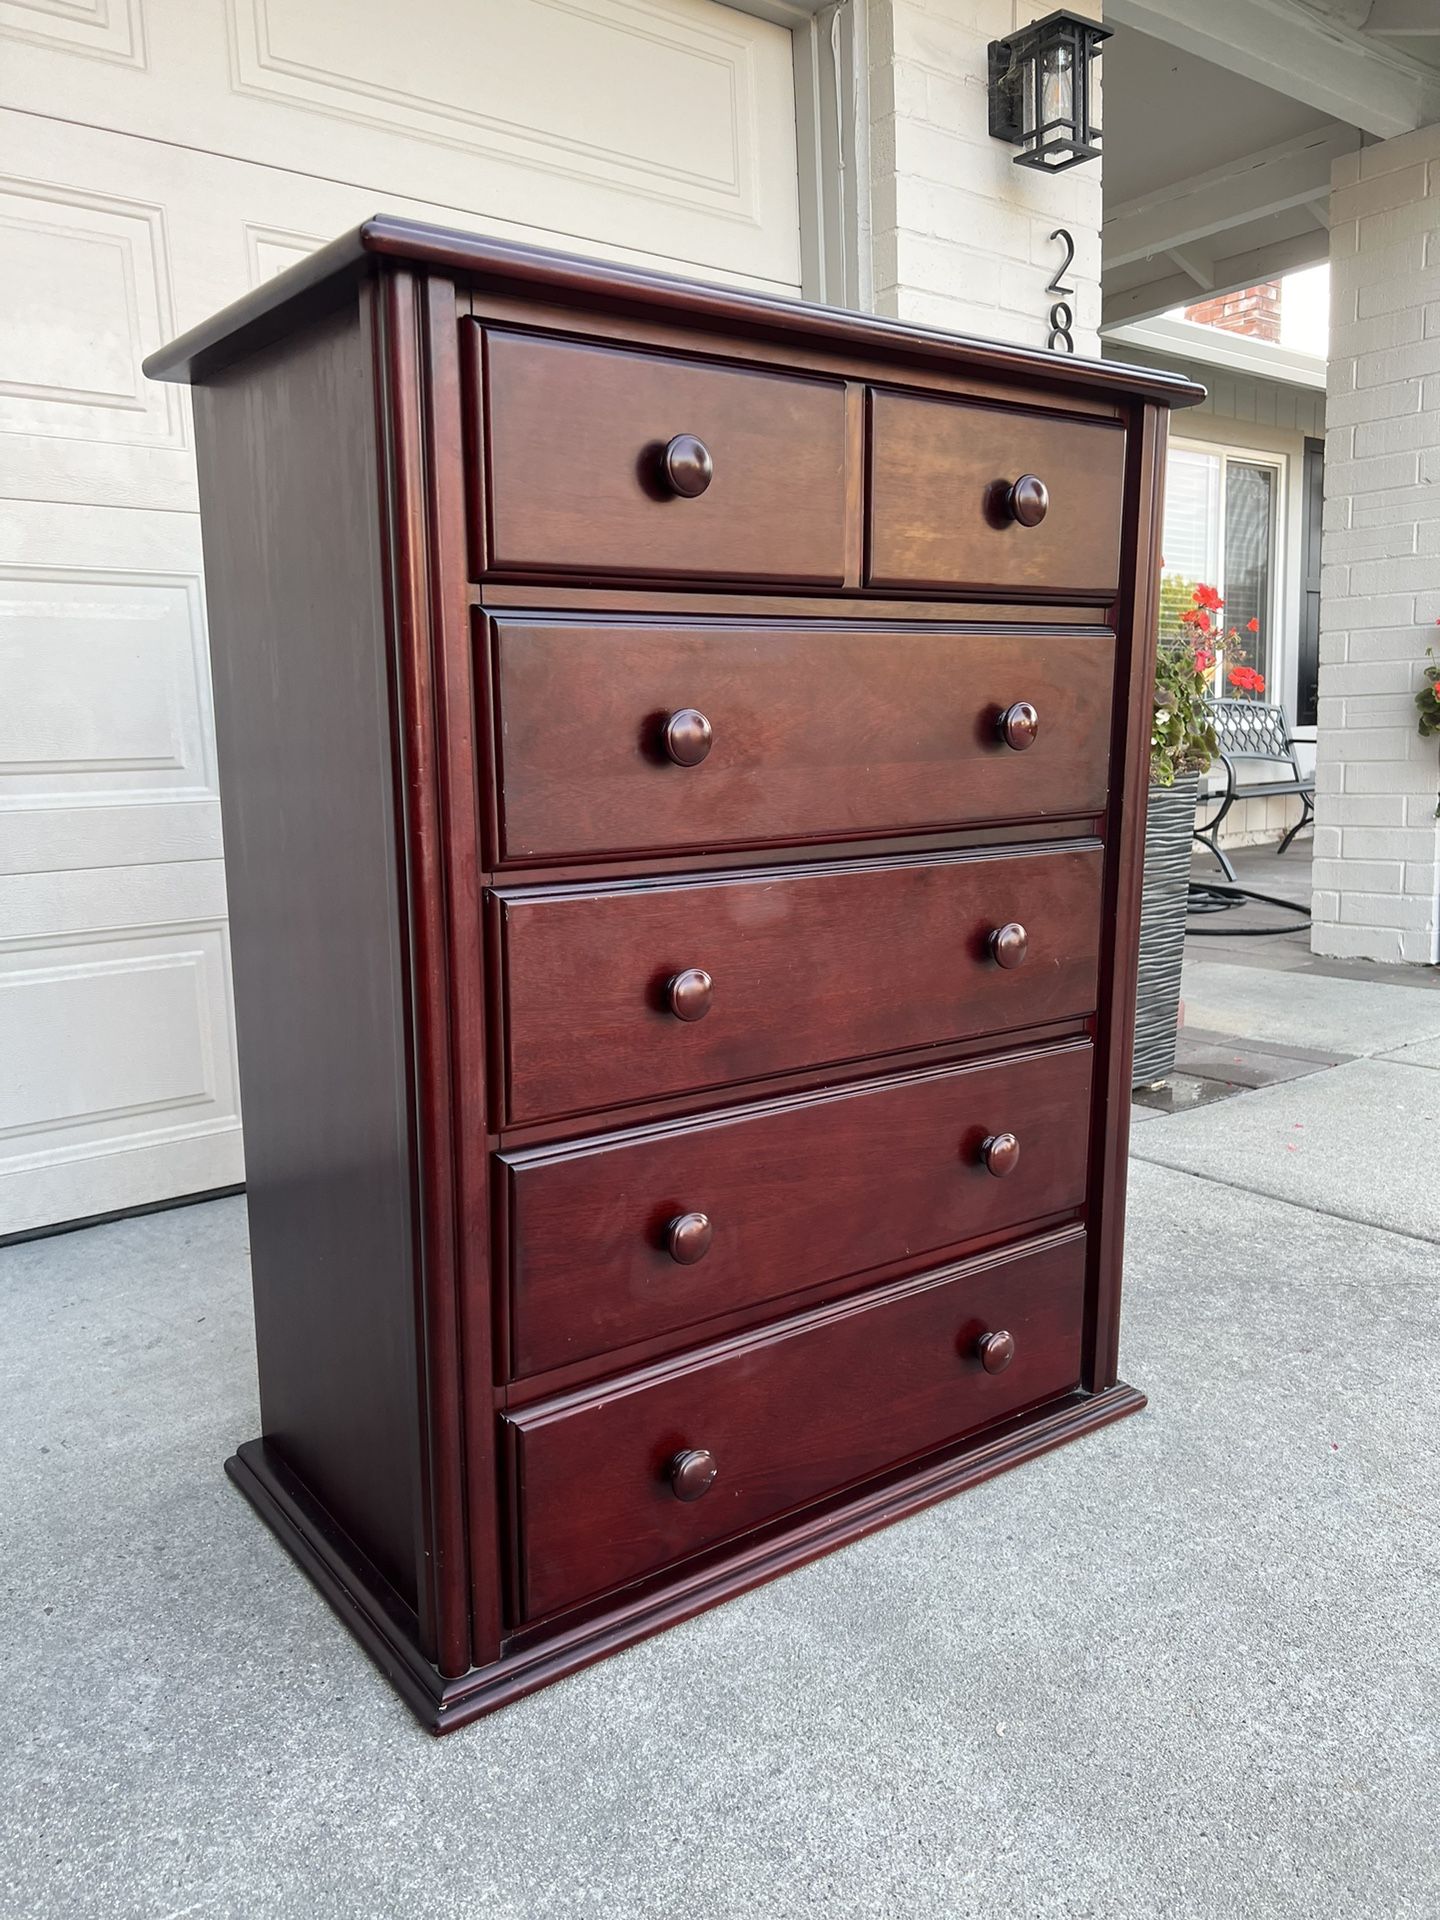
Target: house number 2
column 1062, row 316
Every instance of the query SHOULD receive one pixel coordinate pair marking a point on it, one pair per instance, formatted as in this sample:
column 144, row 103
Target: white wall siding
column 960, row 234
column 1377, row 842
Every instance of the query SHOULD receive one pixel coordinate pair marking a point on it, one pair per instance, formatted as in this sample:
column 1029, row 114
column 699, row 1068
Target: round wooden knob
column 1009, row 945
column 688, row 1237
column 693, row 1472
column 689, row 994
column 1001, row 1154
column 689, row 468
column 688, row 737
column 996, row 1351
column 1028, row 500
column 1019, row 726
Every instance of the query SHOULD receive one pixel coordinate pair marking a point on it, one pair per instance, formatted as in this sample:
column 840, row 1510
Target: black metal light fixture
column 1040, row 91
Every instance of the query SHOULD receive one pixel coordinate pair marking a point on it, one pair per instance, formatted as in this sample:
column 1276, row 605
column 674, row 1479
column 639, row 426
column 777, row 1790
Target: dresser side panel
column 288, row 484
column 1134, row 617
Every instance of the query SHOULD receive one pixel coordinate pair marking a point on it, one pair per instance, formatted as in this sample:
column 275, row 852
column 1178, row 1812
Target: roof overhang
column 1212, row 347
column 1199, row 201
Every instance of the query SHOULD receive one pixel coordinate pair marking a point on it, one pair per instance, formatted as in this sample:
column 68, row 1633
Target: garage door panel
column 270, row 250
column 162, row 158
column 95, row 900
column 73, row 839
column 151, row 999
column 144, row 1172
column 107, row 695
column 107, row 729
column 120, row 1085
column 103, row 30
column 152, row 1103
column 663, row 126
column 84, row 296
column 84, row 292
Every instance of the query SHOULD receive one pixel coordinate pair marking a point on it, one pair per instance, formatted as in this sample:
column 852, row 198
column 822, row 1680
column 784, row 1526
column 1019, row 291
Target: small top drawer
column 946, row 509
column 602, row 461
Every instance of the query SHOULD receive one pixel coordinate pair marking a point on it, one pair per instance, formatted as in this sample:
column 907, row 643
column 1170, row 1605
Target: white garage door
column 158, row 157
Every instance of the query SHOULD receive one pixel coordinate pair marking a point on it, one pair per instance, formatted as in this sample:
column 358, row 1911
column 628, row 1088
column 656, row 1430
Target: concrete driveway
column 1185, row 1667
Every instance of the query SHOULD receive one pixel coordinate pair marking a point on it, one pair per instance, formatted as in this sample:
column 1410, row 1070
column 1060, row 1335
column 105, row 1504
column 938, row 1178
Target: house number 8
column 1062, row 317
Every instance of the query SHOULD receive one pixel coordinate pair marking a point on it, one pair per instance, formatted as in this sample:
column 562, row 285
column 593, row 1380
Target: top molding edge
column 323, row 278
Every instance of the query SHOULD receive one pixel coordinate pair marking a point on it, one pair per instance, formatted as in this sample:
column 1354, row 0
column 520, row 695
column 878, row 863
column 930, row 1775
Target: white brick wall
column 960, row 234
column 1377, row 843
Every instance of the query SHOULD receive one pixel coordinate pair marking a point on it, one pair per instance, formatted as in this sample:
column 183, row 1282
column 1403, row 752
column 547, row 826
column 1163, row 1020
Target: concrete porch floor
column 1186, row 1667
column 1257, row 1006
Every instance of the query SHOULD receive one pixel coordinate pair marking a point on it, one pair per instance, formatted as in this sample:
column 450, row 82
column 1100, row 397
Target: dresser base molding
column 384, row 1627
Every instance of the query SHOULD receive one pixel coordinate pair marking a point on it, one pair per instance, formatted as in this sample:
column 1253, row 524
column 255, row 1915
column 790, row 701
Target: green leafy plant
column 1177, row 598
column 1428, row 698
column 1427, row 701
column 1182, row 733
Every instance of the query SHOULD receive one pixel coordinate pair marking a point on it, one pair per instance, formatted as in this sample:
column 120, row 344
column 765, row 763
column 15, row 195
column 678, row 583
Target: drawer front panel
column 604, row 1235
column 802, row 733
column 804, row 968
column 810, row 1407
column 577, row 438
column 940, row 473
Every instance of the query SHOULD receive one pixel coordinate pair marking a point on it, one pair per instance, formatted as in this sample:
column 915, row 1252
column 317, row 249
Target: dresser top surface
column 511, row 269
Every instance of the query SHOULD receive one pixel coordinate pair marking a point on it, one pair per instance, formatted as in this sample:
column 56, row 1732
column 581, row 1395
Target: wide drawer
column 590, row 450
column 941, row 511
column 619, row 738
column 630, row 992
column 811, row 1406
column 642, row 1233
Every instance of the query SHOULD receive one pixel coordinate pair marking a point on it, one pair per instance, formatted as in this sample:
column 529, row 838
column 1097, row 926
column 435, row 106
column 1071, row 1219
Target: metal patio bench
column 1253, row 734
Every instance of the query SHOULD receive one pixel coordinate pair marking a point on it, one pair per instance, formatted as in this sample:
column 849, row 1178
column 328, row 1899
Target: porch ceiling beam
column 1341, row 72
column 1231, row 272
column 1414, row 19
column 1271, row 180
column 1199, row 271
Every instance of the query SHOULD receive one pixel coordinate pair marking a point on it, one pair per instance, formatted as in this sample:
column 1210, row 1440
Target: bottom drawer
column 619, row 1481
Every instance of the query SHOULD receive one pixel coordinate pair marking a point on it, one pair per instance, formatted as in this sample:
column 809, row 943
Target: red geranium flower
column 1208, row 597
column 1246, row 680
column 1252, row 626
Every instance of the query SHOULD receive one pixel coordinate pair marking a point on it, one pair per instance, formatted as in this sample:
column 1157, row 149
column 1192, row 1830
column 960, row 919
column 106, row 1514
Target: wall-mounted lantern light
column 1040, row 91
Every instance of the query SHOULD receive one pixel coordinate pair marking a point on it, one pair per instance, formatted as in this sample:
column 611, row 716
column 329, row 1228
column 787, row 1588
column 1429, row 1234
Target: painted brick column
column 960, row 234
column 1377, row 842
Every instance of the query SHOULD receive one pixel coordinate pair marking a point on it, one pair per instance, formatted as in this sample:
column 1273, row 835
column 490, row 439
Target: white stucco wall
column 960, row 234
column 1377, row 843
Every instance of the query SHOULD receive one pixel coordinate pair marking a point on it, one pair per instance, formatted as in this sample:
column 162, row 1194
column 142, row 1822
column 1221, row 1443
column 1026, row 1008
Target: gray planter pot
column 1169, row 819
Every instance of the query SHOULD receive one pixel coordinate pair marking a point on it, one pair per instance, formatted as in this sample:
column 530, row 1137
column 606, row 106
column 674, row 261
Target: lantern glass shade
column 1057, row 86
column 1040, row 91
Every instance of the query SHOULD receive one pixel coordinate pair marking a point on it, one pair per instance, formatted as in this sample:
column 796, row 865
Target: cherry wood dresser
column 684, row 760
